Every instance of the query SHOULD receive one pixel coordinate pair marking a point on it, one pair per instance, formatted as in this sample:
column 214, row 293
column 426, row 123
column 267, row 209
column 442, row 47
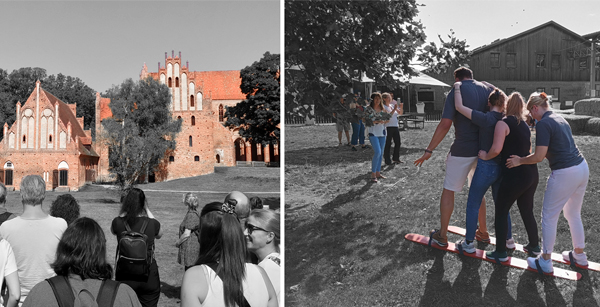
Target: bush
column 577, row 122
column 593, row 126
column 589, row 107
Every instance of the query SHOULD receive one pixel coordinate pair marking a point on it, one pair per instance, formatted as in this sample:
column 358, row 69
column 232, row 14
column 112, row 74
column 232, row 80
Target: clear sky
column 106, row 42
column 483, row 21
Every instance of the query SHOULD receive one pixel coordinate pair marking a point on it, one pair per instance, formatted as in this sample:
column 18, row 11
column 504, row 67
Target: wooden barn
column 548, row 58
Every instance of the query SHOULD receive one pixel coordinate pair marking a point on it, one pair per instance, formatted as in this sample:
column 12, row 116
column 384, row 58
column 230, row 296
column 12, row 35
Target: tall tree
column 18, row 85
column 329, row 43
column 74, row 90
column 258, row 115
column 141, row 130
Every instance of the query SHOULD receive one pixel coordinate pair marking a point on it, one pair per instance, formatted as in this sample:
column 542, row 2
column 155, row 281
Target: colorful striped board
column 594, row 266
column 480, row 254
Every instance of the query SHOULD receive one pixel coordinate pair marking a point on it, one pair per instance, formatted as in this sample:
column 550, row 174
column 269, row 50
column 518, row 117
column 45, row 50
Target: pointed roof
column 549, row 23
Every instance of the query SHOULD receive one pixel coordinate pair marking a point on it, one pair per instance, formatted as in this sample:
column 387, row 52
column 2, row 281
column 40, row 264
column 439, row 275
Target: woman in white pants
column 566, row 185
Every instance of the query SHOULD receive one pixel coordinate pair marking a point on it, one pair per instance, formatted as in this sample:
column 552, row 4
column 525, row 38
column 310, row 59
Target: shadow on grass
column 170, row 291
column 319, row 156
column 584, row 293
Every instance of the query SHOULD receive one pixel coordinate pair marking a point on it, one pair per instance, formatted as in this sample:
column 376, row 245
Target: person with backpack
column 222, row 277
column 136, row 229
column 4, row 214
column 82, row 273
column 188, row 244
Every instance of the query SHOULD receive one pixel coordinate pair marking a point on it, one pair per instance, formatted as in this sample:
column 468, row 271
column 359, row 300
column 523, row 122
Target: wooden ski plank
column 480, row 254
column 594, row 266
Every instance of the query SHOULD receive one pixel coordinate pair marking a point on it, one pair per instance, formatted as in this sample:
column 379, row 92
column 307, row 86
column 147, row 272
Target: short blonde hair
column 191, row 200
column 537, row 99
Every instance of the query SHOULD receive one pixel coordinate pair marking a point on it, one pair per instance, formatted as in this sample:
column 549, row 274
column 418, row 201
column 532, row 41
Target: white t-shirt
column 255, row 289
column 34, row 243
column 8, row 264
column 394, row 120
column 272, row 269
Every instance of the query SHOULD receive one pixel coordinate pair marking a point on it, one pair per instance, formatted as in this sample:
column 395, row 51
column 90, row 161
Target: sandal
column 381, row 177
column 374, row 180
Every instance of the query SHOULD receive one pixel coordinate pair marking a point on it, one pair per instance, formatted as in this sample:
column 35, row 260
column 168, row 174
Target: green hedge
column 593, row 126
column 589, row 107
column 577, row 122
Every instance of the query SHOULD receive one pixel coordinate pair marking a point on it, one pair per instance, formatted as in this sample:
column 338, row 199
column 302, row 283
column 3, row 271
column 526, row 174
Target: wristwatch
column 428, row 151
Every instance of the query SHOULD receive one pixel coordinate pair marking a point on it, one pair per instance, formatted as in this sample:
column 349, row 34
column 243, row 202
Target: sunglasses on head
column 251, row 228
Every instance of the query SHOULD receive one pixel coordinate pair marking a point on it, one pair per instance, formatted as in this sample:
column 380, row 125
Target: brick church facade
column 48, row 139
column 200, row 100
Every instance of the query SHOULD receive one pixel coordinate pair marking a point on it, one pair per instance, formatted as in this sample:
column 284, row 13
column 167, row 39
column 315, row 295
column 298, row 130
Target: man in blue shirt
column 462, row 158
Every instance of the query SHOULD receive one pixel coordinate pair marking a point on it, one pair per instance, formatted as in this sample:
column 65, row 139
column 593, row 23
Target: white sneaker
column 467, row 247
column 580, row 259
column 510, row 243
column 545, row 265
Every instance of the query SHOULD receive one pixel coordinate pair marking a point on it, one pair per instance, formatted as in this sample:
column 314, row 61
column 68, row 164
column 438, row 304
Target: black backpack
column 64, row 292
column 133, row 259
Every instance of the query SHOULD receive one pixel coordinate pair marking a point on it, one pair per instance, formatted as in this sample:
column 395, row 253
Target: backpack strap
column 126, row 225
column 62, row 291
column 108, row 293
column 4, row 216
column 144, row 224
column 213, row 266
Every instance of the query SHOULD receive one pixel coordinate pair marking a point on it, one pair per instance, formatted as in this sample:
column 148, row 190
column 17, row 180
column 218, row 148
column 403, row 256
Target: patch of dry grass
column 345, row 241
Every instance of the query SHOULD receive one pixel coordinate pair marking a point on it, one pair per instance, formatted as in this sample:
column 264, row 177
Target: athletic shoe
column 532, row 250
column 438, row 239
column 580, row 259
column 354, row 148
column 482, row 236
column 510, row 243
column 466, row 247
column 493, row 255
column 544, row 265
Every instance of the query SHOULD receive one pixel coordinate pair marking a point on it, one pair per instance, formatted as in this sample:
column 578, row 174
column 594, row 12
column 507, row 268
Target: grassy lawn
column 345, row 241
column 165, row 201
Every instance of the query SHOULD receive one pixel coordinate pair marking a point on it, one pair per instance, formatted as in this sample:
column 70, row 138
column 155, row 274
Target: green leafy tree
column 74, row 90
column 141, row 130
column 18, row 85
column 258, row 115
column 329, row 43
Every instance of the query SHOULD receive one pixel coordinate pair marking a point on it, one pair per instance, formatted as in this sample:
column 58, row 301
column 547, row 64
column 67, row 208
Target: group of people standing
column 47, row 260
column 379, row 117
column 493, row 149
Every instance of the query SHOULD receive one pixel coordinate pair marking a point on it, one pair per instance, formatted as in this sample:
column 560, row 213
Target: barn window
column 540, row 60
column 511, row 60
column 495, row 59
column 193, row 120
column 556, row 61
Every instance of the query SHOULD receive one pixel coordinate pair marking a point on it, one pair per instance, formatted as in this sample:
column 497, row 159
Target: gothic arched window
column 220, row 112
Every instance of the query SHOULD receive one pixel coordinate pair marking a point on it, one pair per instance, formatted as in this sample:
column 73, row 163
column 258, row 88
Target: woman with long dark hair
column 81, row 258
column 134, row 214
column 222, row 276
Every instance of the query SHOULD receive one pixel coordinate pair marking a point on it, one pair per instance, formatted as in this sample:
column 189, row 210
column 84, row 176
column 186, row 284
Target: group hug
column 492, row 148
column 229, row 250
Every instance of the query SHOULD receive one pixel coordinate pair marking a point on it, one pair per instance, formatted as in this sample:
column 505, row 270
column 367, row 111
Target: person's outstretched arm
column 440, row 132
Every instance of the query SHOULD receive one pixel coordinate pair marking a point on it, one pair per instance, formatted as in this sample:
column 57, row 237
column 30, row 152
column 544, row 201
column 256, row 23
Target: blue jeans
column 488, row 173
column 358, row 133
column 377, row 142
